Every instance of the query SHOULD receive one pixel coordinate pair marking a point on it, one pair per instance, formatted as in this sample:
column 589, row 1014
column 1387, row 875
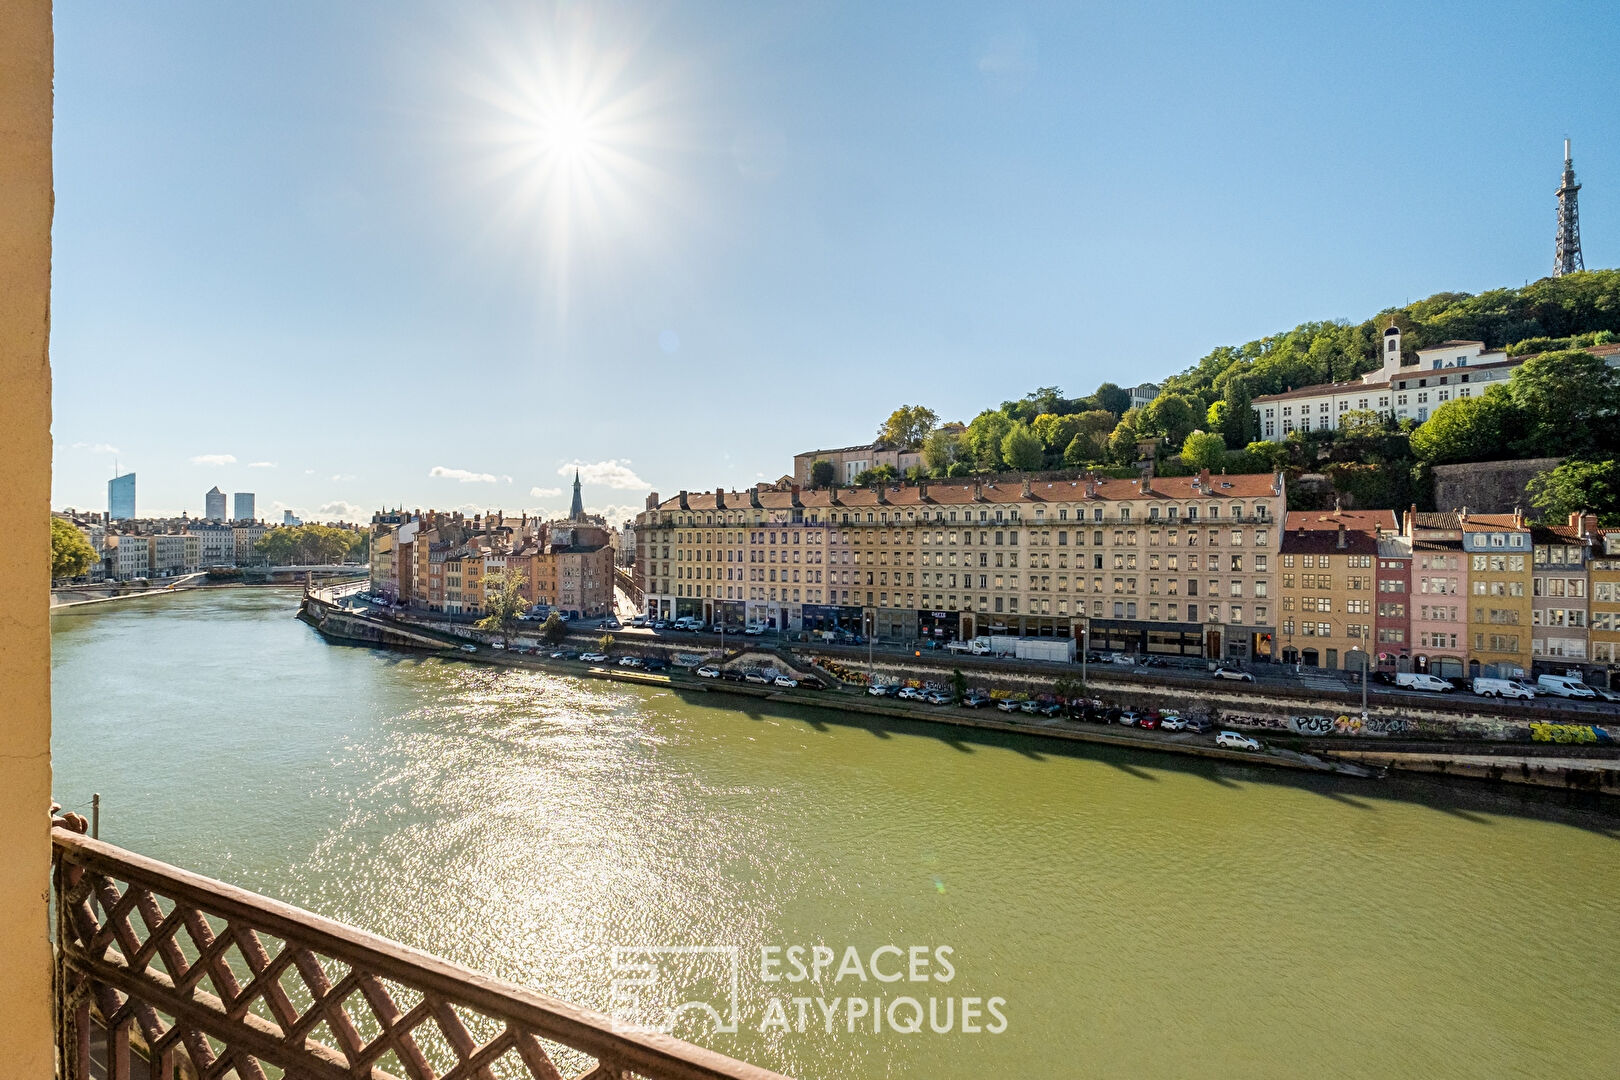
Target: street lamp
column 1363, row 654
column 1085, row 645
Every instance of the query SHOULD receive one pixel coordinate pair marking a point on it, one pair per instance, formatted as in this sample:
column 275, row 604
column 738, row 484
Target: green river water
column 1140, row 915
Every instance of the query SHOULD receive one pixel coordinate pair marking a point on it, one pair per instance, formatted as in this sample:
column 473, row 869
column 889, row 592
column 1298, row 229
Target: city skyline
column 643, row 227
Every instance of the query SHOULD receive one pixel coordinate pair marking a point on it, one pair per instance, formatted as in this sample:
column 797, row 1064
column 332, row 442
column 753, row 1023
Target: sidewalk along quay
column 1310, row 742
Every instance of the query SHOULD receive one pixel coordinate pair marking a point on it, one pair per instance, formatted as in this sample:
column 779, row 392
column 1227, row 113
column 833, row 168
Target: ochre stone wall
column 25, row 573
column 1488, row 487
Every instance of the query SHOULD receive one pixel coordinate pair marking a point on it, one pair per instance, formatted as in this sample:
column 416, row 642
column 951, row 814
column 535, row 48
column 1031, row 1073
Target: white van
column 1501, row 688
column 1564, row 686
column 1417, row 680
column 975, row 647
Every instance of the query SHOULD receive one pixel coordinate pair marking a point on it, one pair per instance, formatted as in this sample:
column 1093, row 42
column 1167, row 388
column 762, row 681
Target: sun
column 568, row 135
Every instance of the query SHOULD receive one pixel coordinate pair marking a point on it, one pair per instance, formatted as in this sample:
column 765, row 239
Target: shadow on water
column 1472, row 801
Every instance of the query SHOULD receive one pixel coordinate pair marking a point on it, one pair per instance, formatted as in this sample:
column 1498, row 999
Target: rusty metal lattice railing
column 189, row 977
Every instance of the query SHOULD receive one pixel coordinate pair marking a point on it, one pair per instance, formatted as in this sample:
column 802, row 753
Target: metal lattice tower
column 1567, row 254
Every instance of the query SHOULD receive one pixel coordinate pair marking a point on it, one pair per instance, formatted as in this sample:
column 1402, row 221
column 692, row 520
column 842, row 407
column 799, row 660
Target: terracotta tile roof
column 957, row 493
column 1326, row 542
column 1352, row 520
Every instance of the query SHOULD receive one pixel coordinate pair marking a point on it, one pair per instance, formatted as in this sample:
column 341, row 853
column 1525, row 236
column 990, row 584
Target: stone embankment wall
column 1488, row 487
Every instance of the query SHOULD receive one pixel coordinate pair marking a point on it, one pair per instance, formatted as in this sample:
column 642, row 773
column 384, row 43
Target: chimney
column 1411, row 519
column 1338, row 506
column 1341, row 536
column 978, row 490
column 652, row 500
column 832, row 495
column 1091, row 485
column 1147, row 479
column 753, row 497
column 1588, row 523
column 1203, row 479
column 1518, row 517
column 795, row 496
column 1462, row 515
column 1027, row 492
column 1277, row 483
column 882, row 493
column 684, row 504
column 922, row 491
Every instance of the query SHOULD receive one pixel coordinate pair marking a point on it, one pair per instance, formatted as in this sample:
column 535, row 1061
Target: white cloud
column 261, row 464
column 614, row 515
column 214, row 459
column 96, row 448
column 340, row 509
column 505, row 479
column 613, row 474
column 466, row 476
column 545, row 493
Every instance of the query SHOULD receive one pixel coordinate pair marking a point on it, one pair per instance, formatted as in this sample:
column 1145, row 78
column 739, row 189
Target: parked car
column 655, row 663
column 1172, row 722
column 1501, row 688
column 1200, row 725
column 1031, row 707
column 1233, row 740
column 611, row 624
column 909, row 693
column 1565, row 686
column 1122, row 658
column 707, row 671
column 1418, row 680
column 972, row 646
column 880, row 689
column 1007, row 705
column 1606, row 695
column 1148, row 720
column 593, row 657
column 1385, row 677
column 639, row 622
column 937, row 697
column 660, row 624
column 1233, row 674
column 787, row 682
column 753, row 630
column 1052, row 708
column 498, row 645
column 469, row 647
column 755, row 677
column 629, row 661
column 1129, row 718
column 976, row 699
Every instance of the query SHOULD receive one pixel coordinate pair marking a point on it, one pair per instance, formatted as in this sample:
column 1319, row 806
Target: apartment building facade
column 1560, row 605
column 1328, row 586
column 1603, row 583
column 1392, row 626
column 1167, row 565
column 1498, row 551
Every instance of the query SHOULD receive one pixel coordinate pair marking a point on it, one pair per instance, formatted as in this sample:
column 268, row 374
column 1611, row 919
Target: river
column 1139, row 915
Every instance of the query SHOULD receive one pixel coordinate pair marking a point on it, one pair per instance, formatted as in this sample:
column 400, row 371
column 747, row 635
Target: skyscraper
column 214, row 503
column 244, row 507
column 577, row 511
column 121, row 497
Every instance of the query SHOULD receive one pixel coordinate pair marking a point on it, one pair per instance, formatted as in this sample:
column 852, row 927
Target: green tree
column 1067, row 690
column 604, row 644
column 1578, row 486
column 1021, row 448
column 305, row 545
column 1171, row 415
column 1113, row 399
column 822, row 473
column 71, row 553
column 1267, row 456
column 983, row 437
column 1122, row 442
column 503, row 601
column 1232, row 417
column 1469, row 429
column 908, row 426
column 883, row 474
column 1203, row 450
column 958, row 685
column 940, row 450
column 1362, row 424
column 553, row 630
column 1056, row 432
column 1568, row 400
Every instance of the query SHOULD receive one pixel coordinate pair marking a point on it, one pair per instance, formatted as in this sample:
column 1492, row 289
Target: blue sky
column 345, row 255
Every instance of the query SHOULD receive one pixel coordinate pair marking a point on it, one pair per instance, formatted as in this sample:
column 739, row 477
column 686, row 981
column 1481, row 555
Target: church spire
column 577, row 511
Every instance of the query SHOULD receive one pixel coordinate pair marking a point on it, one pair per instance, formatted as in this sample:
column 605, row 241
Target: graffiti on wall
column 1349, row 725
column 1568, row 733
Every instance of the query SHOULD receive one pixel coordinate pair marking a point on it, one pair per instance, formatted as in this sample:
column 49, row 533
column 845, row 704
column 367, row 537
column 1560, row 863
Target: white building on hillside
column 1444, row 372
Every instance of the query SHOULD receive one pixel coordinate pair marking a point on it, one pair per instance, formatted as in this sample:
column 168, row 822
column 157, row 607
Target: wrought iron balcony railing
column 182, row 976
